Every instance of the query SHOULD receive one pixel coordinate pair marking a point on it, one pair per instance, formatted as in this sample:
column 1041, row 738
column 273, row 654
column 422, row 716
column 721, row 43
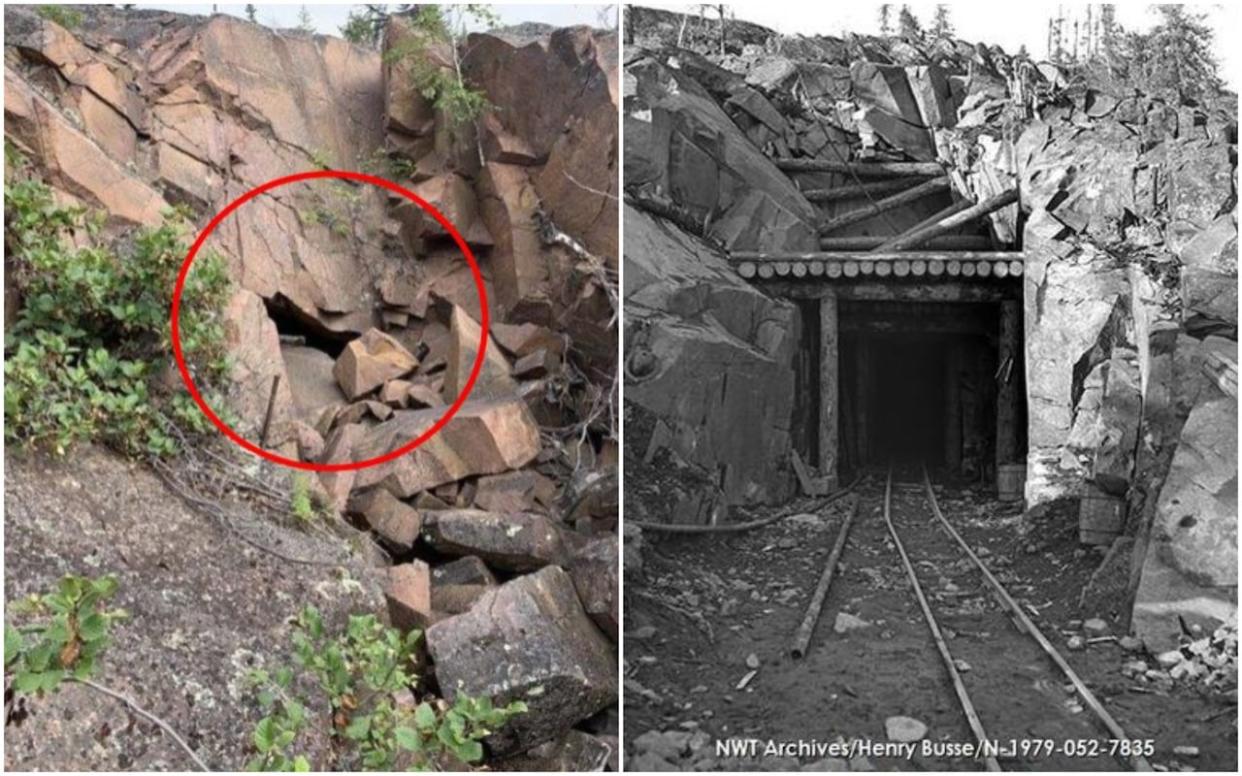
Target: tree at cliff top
column 447, row 90
column 365, row 24
column 908, row 24
column 252, row 13
column 941, row 26
column 1174, row 60
column 306, row 23
column 886, row 19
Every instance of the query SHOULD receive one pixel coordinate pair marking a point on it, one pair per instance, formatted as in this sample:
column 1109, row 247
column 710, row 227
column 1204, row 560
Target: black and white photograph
column 930, row 387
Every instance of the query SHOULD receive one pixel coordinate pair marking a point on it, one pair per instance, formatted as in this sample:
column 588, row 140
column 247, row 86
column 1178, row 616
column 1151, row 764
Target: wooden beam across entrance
column 834, row 265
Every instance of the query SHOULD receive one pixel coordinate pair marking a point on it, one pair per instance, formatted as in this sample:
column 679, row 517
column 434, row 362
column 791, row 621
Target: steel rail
column 1138, row 762
column 968, row 708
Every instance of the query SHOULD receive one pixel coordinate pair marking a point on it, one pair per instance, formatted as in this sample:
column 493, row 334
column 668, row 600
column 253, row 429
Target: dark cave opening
column 294, row 327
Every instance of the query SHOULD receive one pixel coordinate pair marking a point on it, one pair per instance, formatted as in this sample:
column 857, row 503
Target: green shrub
column 92, row 335
column 70, row 630
column 356, row 676
column 69, row 18
column 444, row 88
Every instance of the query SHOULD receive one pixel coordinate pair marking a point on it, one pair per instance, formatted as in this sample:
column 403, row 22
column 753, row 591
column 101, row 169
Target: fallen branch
column 677, row 528
column 133, row 705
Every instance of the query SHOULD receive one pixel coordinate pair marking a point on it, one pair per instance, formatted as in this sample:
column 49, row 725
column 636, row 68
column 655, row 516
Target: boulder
column 514, row 541
column 528, row 640
column 371, row 360
column 311, row 381
column 485, row 437
column 452, row 196
column 339, row 448
column 573, row 752
column 494, row 380
column 398, row 524
column 594, row 569
column 408, row 593
column 458, row 584
column 1189, row 574
column 254, row 348
column 511, row 492
column 713, row 362
column 509, row 205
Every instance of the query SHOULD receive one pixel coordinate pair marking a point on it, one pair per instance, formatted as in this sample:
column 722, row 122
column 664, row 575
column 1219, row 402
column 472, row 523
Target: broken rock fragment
column 370, row 361
column 394, row 521
column 514, row 541
column 457, row 585
column 594, row 571
column 408, row 592
column 484, row 437
column 464, row 337
column 527, row 640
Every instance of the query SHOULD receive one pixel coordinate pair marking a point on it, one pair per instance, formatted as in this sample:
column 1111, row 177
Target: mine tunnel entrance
column 934, row 382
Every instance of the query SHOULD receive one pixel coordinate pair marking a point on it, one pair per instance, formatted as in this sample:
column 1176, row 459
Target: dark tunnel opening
column 939, row 384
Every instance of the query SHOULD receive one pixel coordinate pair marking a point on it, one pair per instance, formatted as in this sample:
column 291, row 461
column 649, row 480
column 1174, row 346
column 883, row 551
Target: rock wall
column 710, row 358
column 1131, row 295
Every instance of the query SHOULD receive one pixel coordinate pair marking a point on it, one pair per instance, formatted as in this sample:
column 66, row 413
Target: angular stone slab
column 485, row 437
column 528, row 640
column 513, row 541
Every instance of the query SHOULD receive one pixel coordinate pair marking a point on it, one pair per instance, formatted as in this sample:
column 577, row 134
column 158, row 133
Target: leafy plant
column 300, row 502
column 92, row 333
column 67, row 637
column 69, row 18
column 358, row 675
column 444, row 87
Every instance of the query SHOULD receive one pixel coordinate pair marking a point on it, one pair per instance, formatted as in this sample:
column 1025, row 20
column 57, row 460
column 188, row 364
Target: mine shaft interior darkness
column 939, row 383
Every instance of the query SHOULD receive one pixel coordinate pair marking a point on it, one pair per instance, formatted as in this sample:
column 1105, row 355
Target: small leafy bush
column 357, row 676
column 92, row 335
column 300, row 502
column 63, row 640
column 443, row 87
column 69, row 18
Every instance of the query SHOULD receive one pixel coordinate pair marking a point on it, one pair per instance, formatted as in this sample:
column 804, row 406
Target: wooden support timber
column 923, row 232
column 925, row 189
column 949, row 242
column 850, row 264
column 851, row 190
column 861, row 169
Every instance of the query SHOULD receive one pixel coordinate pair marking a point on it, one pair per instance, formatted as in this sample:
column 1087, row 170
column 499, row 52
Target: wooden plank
column 851, row 190
column 912, row 238
column 861, row 169
column 948, row 242
column 829, row 355
column 971, row 256
column 926, row 189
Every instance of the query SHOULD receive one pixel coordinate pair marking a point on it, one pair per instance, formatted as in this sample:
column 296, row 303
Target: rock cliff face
column 1131, row 296
column 363, row 307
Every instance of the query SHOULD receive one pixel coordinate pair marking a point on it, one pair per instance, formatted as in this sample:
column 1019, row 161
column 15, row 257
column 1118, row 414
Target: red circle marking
column 349, row 465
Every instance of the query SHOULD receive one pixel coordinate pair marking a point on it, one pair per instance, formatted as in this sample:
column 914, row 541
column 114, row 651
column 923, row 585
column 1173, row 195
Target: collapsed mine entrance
column 908, row 373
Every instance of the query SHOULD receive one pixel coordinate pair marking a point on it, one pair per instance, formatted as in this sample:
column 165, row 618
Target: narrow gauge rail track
column 1075, row 737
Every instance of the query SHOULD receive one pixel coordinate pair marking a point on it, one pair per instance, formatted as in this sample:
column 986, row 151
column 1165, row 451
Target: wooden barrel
column 765, row 270
column 918, row 267
column 747, row 269
column 883, row 268
column 968, row 269
column 817, row 268
column 1100, row 518
column 799, row 269
column 850, row 269
column 901, row 268
column 935, row 267
column 1010, row 482
column 866, row 267
column 833, row 268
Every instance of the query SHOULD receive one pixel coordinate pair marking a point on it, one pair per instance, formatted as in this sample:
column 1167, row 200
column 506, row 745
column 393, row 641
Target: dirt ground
column 706, row 605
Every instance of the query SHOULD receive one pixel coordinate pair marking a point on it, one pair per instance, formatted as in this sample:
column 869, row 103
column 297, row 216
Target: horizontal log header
column 852, row 264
